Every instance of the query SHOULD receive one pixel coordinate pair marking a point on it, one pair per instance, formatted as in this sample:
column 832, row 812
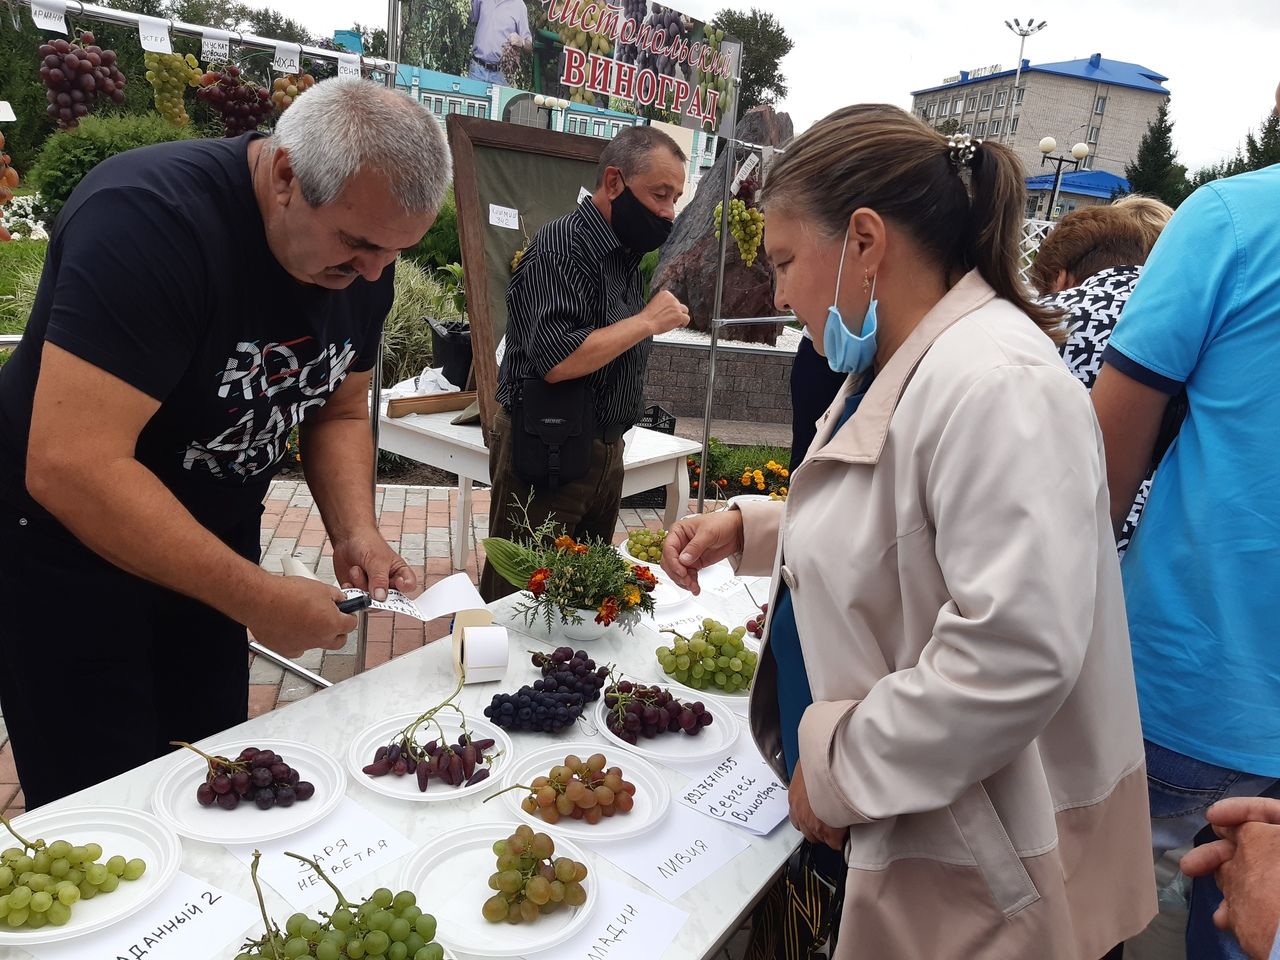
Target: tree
column 273, row 24
column 949, row 126
column 764, row 44
column 1156, row 171
column 1261, row 149
column 373, row 39
column 437, row 35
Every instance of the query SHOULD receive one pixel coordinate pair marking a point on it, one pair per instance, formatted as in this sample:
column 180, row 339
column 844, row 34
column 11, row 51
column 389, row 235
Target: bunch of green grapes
column 530, row 880
column 40, row 882
column 169, row 75
column 715, row 656
column 647, row 545
column 386, row 925
column 747, row 226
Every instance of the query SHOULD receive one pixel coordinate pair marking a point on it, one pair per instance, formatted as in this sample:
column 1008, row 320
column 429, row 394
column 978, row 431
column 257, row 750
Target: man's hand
column 806, row 821
column 297, row 614
column 367, row 563
column 1246, row 861
column 695, row 543
column 665, row 313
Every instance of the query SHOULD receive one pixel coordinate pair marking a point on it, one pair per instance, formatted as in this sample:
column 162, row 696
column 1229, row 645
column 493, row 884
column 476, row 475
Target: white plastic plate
column 174, row 800
column 680, row 747
column 736, row 699
column 122, row 832
column 361, row 752
column 450, row 877
column 651, row 800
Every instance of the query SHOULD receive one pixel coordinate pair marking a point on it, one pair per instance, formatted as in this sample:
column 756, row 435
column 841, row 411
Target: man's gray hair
column 344, row 125
column 631, row 150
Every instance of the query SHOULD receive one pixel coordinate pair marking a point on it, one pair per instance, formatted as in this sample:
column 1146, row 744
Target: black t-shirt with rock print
column 158, row 272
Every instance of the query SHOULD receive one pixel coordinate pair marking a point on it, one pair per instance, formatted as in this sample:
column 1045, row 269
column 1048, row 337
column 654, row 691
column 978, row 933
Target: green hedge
column 440, row 247
column 68, row 155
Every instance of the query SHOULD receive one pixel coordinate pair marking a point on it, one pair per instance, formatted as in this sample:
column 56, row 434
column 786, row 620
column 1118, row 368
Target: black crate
column 655, row 418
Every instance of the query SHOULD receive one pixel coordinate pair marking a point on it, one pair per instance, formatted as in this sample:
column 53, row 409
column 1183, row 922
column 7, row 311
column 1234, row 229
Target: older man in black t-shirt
column 200, row 299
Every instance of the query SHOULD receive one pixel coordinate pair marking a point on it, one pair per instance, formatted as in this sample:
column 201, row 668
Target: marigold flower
column 746, row 481
column 645, row 576
column 607, row 612
column 565, row 543
column 784, row 473
column 538, row 582
column 631, row 594
column 580, row 548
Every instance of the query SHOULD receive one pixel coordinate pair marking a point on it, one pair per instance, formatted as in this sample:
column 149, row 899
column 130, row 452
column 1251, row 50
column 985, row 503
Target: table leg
column 462, row 539
column 677, row 495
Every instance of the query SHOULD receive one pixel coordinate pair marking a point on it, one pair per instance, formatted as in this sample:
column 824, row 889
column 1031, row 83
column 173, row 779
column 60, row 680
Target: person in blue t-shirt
column 1202, row 576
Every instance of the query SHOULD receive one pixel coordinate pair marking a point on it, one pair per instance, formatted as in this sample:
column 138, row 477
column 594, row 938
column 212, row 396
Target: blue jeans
column 1181, row 789
column 485, row 75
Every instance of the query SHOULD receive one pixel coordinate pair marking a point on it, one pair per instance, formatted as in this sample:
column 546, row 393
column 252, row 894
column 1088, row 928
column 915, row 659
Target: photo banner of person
column 637, row 57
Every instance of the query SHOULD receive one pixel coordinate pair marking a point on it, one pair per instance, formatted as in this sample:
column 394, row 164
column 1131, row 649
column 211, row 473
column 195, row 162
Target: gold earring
column 866, row 281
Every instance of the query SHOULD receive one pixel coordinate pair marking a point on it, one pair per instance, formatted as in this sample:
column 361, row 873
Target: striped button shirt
column 575, row 277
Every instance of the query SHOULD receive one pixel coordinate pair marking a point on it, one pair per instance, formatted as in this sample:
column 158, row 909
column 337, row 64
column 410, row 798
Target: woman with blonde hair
column 946, row 681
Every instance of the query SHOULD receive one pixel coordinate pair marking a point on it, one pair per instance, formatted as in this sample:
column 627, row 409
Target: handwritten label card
column 676, row 856
column 506, row 217
column 627, row 924
column 50, row 15
column 583, row 193
column 215, row 45
column 288, row 58
column 153, row 34
column 191, row 920
column 349, row 65
column 349, row 844
column 6, row 112
column 738, row 788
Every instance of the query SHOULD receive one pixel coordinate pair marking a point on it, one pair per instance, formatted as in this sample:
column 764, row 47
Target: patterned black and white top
column 574, row 278
column 1093, row 309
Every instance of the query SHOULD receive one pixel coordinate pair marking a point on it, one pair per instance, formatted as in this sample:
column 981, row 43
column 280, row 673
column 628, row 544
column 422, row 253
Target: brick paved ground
column 415, row 520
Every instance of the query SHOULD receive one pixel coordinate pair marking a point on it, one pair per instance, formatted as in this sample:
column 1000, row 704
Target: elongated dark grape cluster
column 637, row 711
column 261, row 777
column 455, row 764
column 243, row 105
column 570, row 680
column 78, row 76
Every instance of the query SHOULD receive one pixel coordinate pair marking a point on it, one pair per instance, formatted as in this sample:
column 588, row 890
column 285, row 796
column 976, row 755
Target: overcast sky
column 1221, row 57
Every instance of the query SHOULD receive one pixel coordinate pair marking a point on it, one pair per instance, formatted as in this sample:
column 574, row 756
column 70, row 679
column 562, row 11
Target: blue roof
column 1086, row 183
column 440, row 82
column 1117, row 73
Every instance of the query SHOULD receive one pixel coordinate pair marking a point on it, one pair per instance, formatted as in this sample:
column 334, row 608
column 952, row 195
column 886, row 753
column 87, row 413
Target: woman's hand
column 806, row 821
column 695, row 543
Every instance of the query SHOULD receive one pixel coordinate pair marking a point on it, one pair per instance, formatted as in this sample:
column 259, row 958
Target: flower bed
column 733, row 471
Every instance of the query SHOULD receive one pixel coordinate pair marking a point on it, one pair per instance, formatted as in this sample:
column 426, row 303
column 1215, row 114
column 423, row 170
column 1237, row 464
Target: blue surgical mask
column 846, row 351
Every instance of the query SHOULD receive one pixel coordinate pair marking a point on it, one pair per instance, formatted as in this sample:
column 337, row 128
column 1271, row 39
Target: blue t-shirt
column 794, row 695
column 1202, row 577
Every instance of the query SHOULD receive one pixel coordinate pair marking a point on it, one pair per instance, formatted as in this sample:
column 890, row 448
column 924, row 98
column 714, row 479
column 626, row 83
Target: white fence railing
column 1033, row 234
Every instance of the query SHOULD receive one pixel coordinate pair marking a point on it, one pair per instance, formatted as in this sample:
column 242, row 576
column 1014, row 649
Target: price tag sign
column 50, row 15
column 505, row 217
column 349, row 66
column 737, row 788
column 215, row 46
column 627, row 924
column 191, row 920
column 288, row 58
column 153, row 33
column 6, row 112
column 349, row 844
column 744, row 171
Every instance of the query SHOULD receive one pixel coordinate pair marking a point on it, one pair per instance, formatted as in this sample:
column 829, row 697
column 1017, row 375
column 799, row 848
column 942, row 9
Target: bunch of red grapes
column 243, row 105
column 78, row 76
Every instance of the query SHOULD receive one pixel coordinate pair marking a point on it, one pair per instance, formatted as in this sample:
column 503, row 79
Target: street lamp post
column 1023, row 30
column 1078, row 153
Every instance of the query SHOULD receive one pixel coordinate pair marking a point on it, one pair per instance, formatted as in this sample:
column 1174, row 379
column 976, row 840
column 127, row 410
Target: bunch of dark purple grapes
column 570, row 680
column 637, row 711
column 242, row 104
column 77, row 77
column 457, row 764
column 258, row 776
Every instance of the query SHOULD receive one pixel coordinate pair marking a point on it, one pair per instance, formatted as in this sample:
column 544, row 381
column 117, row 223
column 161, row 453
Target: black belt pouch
column 553, row 428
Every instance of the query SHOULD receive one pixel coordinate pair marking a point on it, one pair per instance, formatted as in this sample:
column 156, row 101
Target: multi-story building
column 1105, row 103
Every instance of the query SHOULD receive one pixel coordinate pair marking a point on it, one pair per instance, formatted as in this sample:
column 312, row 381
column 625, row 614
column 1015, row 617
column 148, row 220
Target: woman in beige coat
column 947, row 678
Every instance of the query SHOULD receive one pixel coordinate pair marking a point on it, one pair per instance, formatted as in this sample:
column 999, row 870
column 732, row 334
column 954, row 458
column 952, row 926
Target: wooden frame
column 465, row 134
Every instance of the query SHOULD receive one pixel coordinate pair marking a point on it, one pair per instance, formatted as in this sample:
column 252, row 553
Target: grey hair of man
column 631, row 150
column 345, row 125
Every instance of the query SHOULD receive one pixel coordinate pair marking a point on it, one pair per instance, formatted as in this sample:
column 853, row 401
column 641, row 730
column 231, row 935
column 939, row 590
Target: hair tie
column 961, row 148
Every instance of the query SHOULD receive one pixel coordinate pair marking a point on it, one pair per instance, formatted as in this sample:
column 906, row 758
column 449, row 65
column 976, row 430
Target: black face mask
column 638, row 228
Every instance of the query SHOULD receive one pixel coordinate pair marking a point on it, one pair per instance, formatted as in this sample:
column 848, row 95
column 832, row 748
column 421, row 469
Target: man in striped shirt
column 576, row 311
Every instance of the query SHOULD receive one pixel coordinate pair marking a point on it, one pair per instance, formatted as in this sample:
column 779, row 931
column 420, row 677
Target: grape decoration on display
column 286, row 89
column 8, row 175
column 242, row 104
column 261, row 777
column 712, row 657
column 647, row 545
column 569, row 682
column 42, row 881
column 580, row 790
column 169, row 75
column 77, row 78
column 463, row 763
column 530, row 880
column 588, row 38
column 747, row 226
column 637, row 711
column 706, row 82
column 387, row 924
